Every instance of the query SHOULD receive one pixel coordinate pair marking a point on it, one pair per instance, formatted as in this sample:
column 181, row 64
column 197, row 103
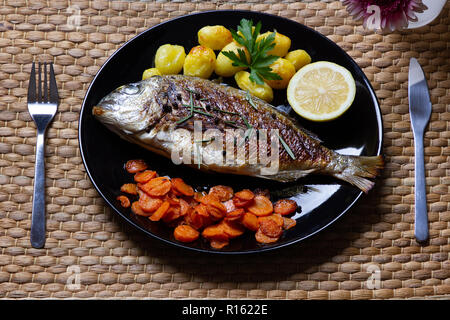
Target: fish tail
column 360, row 169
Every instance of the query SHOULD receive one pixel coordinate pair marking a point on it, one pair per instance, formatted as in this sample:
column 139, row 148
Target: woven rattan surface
column 87, row 242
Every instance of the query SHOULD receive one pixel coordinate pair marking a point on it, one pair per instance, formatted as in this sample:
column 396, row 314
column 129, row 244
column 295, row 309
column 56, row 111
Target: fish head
column 131, row 108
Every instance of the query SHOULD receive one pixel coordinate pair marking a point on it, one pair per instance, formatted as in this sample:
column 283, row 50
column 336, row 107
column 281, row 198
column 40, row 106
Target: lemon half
column 321, row 91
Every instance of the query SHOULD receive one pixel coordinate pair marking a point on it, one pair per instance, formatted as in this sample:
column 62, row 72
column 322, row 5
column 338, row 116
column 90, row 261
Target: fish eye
column 131, row 89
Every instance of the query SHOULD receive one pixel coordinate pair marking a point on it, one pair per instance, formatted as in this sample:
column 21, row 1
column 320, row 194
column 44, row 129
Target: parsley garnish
column 260, row 61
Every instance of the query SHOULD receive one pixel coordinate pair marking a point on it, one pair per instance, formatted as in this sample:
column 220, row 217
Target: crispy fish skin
column 149, row 112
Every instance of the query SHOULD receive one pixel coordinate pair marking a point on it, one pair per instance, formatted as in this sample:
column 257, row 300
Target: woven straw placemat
column 370, row 253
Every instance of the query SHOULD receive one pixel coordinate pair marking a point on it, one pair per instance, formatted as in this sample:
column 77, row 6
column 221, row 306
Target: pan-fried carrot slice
column 261, row 206
column 217, row 244
column 239, row 203
column 172, row 214
column 250, row 221
column 232, row 229
column 144, row 176
column 270, row 228
column 136, row 209
column 285, row 207
column 223, row 193
column 234, row 215
column 262, row 238
column 245, row 195
column 160, row 212
column 184, row 207
column 215, row 232
column 229, row 205
column 134, row 166
column 129, row 188
column 202, row 210
column 124, row 201
column 183, row 188
column 278, row 219
column 288, row 223
column 185, row 233
column 147, row 203
column 156, row 187
column 198, row 196
column 215, row 208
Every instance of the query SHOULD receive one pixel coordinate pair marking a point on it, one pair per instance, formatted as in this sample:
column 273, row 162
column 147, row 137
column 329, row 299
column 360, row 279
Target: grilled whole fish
column 152, row 112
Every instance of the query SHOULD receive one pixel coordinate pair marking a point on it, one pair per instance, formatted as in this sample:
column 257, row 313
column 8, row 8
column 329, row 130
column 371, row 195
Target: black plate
column 358, row 131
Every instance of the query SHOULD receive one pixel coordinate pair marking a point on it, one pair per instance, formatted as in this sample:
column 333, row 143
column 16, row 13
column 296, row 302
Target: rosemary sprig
column 248, row 97
column 286, row 147
column 184, row 119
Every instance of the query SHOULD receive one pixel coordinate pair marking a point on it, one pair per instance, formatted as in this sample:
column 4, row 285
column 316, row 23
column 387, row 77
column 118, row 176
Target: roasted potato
column 214, row 37
column 150, row 73
column 169, row 59
column 263, row 91
column 224, row 66
column 282, row 44
column 285, row 69
column 299, row 58
column 200, row 62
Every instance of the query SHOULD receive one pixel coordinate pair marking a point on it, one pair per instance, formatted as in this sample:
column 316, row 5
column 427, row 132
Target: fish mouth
column 98, row 111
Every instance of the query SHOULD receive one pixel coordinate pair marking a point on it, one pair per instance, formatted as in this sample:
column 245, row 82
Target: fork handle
column 421, row 215
column 38, row 211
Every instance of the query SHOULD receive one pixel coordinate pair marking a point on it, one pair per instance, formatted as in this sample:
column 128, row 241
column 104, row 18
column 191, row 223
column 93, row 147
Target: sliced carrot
column 144, row 176
column 172, row 214
column 245, row 195
column 136, row 209
column 215, row 232
column 262, row 238
column 184, row 207
column 229, row 205
column 285, row 207
column 239, row 203
column 278, row 219
column 185, row 233
column 198, row 196
column 134, row 166
column 202, row 210
column 234, row 215
column 147, row 203
column 160, row 212
column 250, row 221
column 261, row 206
column 215, row 208
column 217, row 244
column 183, row 188
column 270, row 228
column 223, row 193
column 156, row 187
column 288, row 223
column 232, row 229
column 124, row 201
column 129, row 188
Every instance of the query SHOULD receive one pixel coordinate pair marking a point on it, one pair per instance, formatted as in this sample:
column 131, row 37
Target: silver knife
column 420, row 112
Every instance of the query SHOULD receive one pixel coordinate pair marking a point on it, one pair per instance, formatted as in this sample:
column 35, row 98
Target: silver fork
column 42, row 106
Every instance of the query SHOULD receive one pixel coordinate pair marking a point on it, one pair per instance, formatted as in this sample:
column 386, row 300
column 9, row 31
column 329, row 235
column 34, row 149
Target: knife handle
column 421, row 214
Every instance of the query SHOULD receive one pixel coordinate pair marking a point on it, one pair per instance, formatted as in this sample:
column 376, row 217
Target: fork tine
column 39, row 83
column 32, row 85
column 45, row 83
column 53, row 86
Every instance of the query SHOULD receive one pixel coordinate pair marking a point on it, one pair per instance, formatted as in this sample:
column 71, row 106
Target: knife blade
column 420, row 111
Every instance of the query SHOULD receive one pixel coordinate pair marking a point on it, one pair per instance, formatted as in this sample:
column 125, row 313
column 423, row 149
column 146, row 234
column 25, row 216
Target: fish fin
column 361, row 169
